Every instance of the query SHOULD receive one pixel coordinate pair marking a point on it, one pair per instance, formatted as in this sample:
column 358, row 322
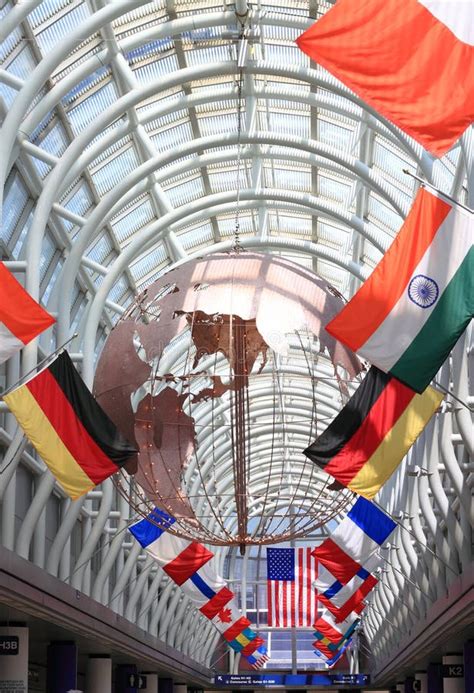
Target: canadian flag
column 413, row 61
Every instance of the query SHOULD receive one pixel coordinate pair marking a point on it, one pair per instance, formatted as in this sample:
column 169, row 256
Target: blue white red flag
column 355, row 540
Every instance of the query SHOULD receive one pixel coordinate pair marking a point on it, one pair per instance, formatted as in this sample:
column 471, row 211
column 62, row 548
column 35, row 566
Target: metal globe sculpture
column 222, row 373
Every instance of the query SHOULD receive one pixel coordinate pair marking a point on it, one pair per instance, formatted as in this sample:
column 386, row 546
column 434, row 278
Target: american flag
column 291, row 597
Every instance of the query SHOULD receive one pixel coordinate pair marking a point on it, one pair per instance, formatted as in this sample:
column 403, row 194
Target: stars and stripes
column 291, row 598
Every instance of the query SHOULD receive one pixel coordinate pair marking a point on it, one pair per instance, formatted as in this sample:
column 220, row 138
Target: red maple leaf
column 225, row 615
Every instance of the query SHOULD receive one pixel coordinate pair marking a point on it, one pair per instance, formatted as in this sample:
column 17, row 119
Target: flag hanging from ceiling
column 414, row 67
column 334, row 634
column 291, row 598
column 369, row 437
column 21, row 318
column 343, row 599
column 355, row 540
column 72, row 433
column 330, row 658
column 408, row 315
column 193, row 567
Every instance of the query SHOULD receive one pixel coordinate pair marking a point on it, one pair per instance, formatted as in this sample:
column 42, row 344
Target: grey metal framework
column 119, row 158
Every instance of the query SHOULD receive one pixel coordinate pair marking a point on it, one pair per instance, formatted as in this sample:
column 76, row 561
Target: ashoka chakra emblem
column 423, row 291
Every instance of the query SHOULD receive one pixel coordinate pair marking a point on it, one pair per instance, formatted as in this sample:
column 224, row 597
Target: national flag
column 72, row 433
column 21, row 317
column 355, row 540
column 334, row 634
column 330, row 658
column 369, row 437
column 291, row 598
column 344, row 599
column 193, row 567
column 414, row 67
column 408, row 315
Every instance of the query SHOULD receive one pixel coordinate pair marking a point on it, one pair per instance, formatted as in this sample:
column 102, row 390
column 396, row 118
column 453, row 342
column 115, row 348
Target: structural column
column 453, row 673
column 434, row 678
column 151, row 683
column 180, row 688
column 99, row 674
column 165, row 686
column 420, row 684
column 126, row 678
column 468, row 667
column 61, row 675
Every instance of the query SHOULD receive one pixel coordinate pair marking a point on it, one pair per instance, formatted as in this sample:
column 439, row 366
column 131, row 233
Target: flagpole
column 40, row 363
column 451, row 394
column 439, row 192
column 406, row 578
column 425, row 546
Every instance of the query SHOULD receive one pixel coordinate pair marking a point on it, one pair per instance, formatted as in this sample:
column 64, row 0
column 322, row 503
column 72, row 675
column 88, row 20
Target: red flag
column 21, row 318
column 413, row 62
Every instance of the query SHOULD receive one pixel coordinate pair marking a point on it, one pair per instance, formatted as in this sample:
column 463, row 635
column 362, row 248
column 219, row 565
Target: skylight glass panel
column 289, row 124
column 88, row 110
column 153, row 71
column 201, row 235
column 8, row 94
column 335, row 135
column 332, row 235
column 48, row 249
column 63, row 26
column 52, row 280
column 54, row 141
column 10, row 42
column 223, row 123
column 291, row 225
column 186, row 192
column 284, row 55
column 112, row 173
column 23, row 63
column 207, row 55
column 287, row 179
column 80, row 202
column 118, row 290
column 101, row 249
column 44, row 11
column 173, row 137
column 333, row 189
column 13, row 206
column 222, row 180
column 384, row 214
column 137, row 218
column 148, row 262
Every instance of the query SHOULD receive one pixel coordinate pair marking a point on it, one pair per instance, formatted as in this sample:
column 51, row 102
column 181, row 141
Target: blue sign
column 270, row 680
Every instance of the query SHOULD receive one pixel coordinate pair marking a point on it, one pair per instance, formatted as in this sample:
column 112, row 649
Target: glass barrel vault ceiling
column 119, row 150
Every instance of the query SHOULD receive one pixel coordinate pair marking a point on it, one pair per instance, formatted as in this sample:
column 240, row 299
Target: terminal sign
column 9, row 645
column 302, row 680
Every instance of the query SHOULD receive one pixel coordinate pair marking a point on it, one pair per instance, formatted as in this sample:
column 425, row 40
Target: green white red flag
column 411, row 61
column 409, row 314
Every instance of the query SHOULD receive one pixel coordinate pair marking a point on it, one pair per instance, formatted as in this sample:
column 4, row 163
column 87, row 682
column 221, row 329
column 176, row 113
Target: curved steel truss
column 119, row 157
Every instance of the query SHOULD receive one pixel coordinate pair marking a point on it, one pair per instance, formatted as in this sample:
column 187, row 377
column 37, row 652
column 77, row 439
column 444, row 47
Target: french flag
column 361, row 533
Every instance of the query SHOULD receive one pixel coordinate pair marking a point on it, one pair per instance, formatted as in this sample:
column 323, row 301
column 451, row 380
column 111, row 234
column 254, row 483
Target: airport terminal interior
column 189, row 197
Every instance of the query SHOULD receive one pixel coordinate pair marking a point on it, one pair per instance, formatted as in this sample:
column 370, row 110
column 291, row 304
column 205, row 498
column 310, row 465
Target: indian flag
column 410, row 312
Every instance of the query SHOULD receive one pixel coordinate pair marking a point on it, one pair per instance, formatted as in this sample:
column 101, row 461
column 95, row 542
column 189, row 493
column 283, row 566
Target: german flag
column 72, row 433
column 369, row 437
